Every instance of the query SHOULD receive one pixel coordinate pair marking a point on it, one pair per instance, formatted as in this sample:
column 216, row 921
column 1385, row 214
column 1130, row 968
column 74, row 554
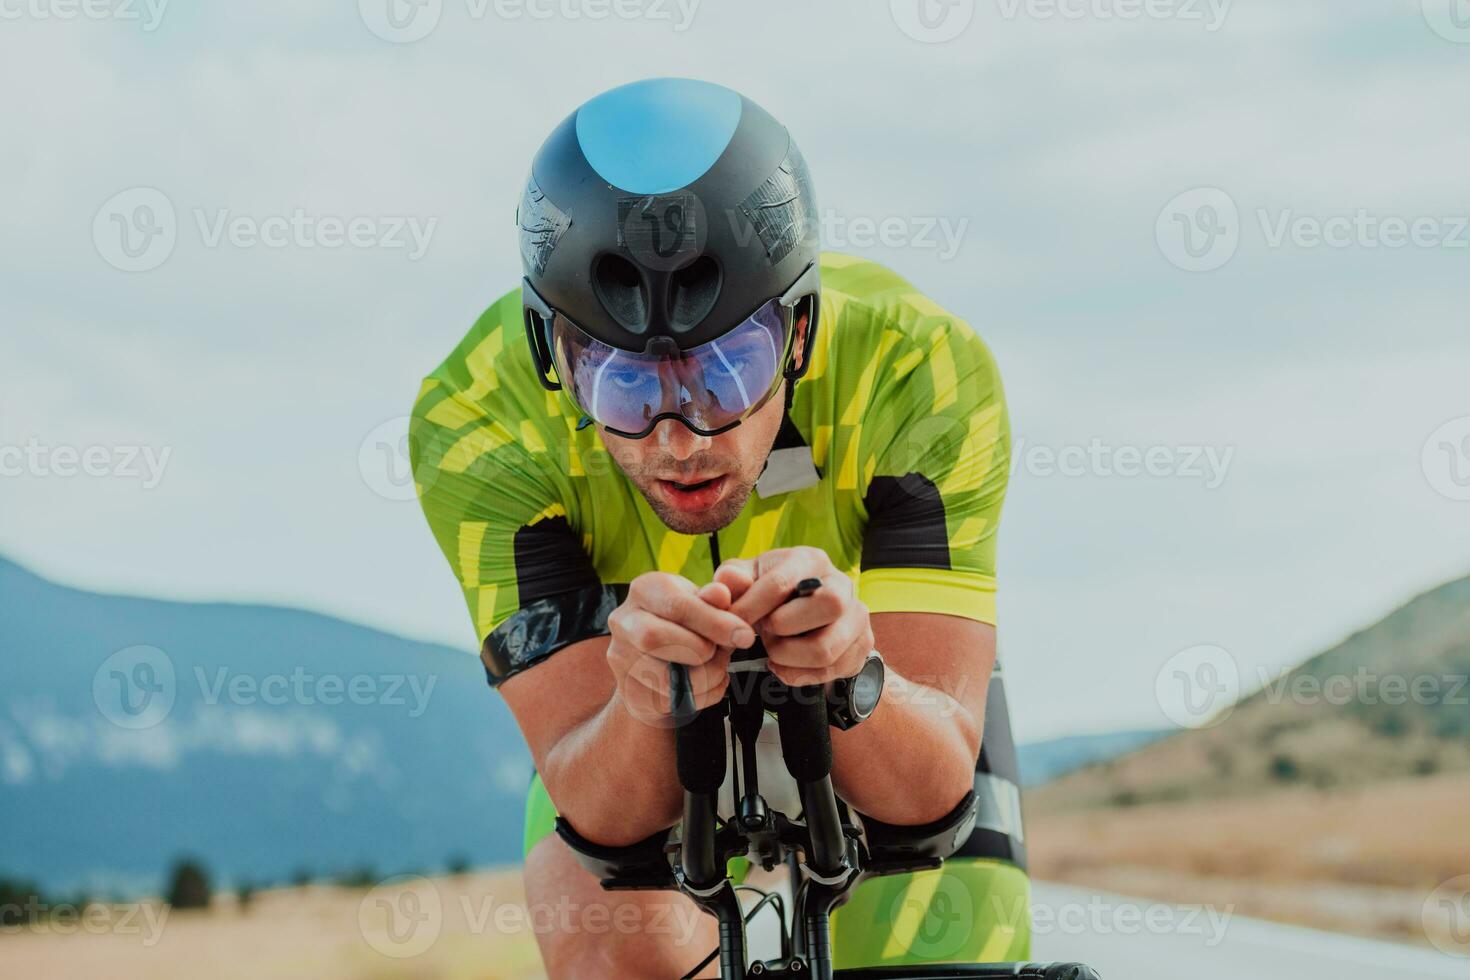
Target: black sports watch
column 851, row 700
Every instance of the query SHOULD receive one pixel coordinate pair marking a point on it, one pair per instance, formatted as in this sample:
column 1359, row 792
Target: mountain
column 262, row 740
column 1388, row 702
column 1042, row 762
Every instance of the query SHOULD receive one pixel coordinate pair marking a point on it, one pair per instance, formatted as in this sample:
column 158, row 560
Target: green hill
column 1390, row 701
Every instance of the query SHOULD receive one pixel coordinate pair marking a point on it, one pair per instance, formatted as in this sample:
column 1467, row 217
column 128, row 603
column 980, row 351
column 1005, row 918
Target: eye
column 627, row 380
column 733, row 366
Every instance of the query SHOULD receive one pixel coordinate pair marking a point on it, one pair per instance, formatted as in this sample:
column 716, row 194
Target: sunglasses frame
column 803, row 290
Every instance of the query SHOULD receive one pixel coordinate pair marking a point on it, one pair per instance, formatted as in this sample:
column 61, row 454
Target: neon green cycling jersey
column 893, row 459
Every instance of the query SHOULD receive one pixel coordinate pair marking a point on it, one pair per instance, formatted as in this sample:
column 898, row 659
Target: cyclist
column 632, row 458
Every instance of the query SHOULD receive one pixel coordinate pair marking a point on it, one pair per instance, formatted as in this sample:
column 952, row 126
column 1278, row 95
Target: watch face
column 867, row 687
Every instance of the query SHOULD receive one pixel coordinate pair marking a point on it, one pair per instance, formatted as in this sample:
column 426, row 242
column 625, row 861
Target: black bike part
column 681, row 695
column 699, row 751
column 963, row 971
column 896, row 848
column 698, row 855
column 806, row 744
column 641, row 865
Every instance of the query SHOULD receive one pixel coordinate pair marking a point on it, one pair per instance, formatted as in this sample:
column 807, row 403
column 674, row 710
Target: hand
column 811, row 640
column 665, row 620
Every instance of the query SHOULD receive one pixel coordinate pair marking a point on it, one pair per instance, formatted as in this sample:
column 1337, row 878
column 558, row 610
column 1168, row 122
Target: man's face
column 698, row 484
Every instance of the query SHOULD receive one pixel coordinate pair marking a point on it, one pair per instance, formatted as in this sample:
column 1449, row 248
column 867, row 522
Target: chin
column 717, row 518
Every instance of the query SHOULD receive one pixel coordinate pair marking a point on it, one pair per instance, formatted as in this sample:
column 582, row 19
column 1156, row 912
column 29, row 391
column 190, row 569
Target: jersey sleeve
column 498, row 514
column 936, row 449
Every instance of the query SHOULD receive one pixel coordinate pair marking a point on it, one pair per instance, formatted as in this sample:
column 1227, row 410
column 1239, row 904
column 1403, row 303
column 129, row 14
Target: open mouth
column 695, row 495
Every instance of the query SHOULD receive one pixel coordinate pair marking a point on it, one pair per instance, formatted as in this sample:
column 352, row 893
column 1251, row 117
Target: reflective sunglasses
column 710, row 388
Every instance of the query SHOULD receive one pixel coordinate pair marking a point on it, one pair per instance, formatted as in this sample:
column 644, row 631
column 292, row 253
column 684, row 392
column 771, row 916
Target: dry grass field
column 1357, row 860
column 313, row 933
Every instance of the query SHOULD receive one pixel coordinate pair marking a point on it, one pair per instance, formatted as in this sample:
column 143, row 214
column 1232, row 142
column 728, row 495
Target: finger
column 720, row 626
column 737, row 575
column 821, row 608
column 775, row 583
column 818, row 650
column 716, row 594
column 645, row 632
column 652, row 673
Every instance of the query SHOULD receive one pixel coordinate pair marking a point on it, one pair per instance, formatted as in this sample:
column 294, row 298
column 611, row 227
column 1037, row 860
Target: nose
column 678, row 440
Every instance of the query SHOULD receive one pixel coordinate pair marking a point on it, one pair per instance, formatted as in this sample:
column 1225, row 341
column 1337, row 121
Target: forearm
column 913, row 760
column 613, row 777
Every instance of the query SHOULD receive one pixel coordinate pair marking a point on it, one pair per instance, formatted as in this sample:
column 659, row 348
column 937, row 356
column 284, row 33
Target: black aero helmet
column 659, row 217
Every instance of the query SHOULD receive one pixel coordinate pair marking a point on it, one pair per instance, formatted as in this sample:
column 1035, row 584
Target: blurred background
column 1219, row 248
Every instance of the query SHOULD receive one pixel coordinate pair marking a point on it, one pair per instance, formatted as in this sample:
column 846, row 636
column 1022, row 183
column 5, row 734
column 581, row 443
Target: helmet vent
column 693, row 291
column 621, row 291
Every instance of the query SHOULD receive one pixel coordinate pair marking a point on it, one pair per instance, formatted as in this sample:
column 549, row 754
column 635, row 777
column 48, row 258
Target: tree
column 189, row 886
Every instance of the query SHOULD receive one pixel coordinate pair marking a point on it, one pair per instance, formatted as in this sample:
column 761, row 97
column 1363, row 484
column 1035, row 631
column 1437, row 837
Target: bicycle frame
column 829, row 850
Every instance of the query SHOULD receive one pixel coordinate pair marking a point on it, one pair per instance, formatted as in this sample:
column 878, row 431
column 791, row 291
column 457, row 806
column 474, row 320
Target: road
column 1134, row 939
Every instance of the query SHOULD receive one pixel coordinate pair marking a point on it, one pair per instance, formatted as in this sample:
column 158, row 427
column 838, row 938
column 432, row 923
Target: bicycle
column 827, row 852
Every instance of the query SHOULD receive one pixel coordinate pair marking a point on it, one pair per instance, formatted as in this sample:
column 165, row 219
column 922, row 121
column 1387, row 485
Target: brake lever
column 681, row 690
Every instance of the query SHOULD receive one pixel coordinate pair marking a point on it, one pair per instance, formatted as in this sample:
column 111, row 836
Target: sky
column 1219, row 249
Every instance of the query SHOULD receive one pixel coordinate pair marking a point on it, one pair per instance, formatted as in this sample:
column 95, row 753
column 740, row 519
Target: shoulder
column 484, row 402
column 880, row 326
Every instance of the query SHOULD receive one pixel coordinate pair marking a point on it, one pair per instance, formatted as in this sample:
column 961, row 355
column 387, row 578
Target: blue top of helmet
column 657, row 135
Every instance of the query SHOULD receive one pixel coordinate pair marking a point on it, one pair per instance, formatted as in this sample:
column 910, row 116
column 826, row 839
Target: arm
column 933, row 709
column 914, row 759
column 610, row 775
column 596, row 716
